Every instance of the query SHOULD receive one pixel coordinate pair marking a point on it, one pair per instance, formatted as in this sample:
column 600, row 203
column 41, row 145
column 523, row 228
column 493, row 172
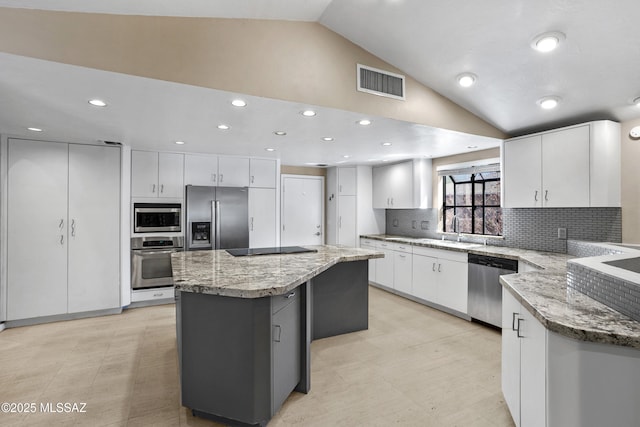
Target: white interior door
column 302, row 210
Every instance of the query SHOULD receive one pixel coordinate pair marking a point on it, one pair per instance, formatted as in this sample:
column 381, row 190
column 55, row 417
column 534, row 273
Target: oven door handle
column 155, row 252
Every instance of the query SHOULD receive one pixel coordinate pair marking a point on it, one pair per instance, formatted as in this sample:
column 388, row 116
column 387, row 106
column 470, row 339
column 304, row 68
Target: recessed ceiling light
column 180, row 142
column 385, row 160
column 97, row 103
column 364, row 122
column 466, row 79
column 386, row 144
column 549, row 102
column 308, row 113
column 327, row 138
column 547, row 42
column 223, row 127
column 346, row 156
column 280, row 133
column 270, row 149
column 238, row 103
column 373, row 160
column 35, row 129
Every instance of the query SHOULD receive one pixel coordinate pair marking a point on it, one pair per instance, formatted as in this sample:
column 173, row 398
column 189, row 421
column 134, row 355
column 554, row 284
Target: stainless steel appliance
column 151, row 261
column 217, row 217
column 156, row 217
column 485, row 291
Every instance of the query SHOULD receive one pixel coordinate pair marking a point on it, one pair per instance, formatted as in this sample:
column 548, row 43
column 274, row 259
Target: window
column 472, row 197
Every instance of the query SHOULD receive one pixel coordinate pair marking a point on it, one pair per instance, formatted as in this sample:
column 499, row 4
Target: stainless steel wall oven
column 151, row 261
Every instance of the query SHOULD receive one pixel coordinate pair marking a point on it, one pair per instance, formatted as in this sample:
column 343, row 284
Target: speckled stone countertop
column 218, row 273
column 545, row 294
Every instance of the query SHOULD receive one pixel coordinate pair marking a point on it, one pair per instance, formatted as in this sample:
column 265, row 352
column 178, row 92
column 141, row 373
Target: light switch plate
column 562, row 233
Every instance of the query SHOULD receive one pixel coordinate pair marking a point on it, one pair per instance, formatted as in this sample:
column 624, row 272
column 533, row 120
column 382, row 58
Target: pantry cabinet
column 263, row 173
column 405, row 185
column 66, row 199
column 157, row 175
column 577, row 166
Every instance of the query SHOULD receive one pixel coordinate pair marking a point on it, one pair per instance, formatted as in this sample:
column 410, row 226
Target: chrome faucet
column 456, row 225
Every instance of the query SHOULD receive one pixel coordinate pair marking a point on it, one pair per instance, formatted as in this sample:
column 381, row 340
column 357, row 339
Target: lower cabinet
column 551, row 380
column 384, row 266
column 402, row 260
column 285, row 346
column 371, row 245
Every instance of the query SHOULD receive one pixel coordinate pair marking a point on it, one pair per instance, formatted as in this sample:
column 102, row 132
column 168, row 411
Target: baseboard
column 61, row 317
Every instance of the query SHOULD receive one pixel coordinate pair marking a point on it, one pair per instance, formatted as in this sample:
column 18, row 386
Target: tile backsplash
column 535, row 229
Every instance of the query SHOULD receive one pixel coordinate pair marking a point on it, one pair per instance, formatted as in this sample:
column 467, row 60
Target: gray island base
column 242, row 356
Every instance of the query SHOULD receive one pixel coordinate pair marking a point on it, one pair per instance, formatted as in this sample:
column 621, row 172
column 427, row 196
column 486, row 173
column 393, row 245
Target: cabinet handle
column 518, row 329
column 340, row 188
column 252, row 179
column 513, row 321
column 62, row 239
column 61, row 224
column 277, row 331
column 546, row 194
column 213, row 177
column 221, row 177
column 291, row 295
column 339, row 222
column 535, row 196
column 392, row 201
column 439, row 267
column 251, row 223
column 73, row 228
column 402, row 256
column 157, row 295
column 153, row 190
column 434, row 267
column 161, row 188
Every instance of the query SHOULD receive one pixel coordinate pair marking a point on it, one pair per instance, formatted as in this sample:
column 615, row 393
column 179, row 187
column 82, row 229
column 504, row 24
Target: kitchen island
column 244, row 324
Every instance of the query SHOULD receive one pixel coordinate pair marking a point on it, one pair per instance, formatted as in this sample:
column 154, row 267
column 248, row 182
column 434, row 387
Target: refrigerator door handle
column 216, row 204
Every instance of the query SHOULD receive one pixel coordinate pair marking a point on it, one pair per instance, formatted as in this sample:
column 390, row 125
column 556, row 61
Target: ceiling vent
column 379, row 82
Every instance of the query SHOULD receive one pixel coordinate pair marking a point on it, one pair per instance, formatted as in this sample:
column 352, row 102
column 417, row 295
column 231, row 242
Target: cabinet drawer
column 368, row 242
column 441, row 253
column 393, row 246
column 278, row 302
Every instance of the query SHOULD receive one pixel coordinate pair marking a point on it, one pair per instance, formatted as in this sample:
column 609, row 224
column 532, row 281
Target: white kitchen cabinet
column 511, row 309
column 440, row 277
column 200, row 169
column 65, row 197
column 577, row 166
column 262, row 217
column 371, row 245
column 347, row 181
column 384, row 266
column 405, row 185
column 156, row 174
column 402, row 270
column 94, row 211
column 37, row 224
column 347, row 227
column 233, row 171
column 263, row 173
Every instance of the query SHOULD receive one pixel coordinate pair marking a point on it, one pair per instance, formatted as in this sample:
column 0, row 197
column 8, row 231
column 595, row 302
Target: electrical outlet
column 414, row 224
column 424, row 225
column 395, row 222
column 562, row 233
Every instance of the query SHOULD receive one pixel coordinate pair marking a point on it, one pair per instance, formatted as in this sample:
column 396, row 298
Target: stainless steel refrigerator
column 217, row 217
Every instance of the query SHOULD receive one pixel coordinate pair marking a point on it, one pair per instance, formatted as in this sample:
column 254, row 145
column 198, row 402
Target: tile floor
column 415, row 366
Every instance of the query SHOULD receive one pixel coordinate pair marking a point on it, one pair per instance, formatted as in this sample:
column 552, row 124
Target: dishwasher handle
column 495, row 262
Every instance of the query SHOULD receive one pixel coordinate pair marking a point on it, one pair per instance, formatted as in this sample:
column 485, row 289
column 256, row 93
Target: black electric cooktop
column 277, row 250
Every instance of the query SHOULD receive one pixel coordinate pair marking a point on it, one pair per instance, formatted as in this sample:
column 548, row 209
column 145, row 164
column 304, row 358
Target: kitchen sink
column 630, row 264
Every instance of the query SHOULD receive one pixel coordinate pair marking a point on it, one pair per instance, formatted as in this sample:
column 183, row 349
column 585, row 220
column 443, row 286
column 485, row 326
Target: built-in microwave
column 156, row 217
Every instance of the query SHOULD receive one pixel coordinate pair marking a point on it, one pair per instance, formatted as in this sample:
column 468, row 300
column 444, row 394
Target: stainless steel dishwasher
column 485, row 290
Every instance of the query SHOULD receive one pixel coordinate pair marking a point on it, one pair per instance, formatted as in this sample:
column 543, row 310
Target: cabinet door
column 384, row 267
column 424, row 277
column 37, row 229
column 200, row 170
column 402, row 272
column 511, row 310
column 565, row 168
column 533, row 350
column 381, row 189
column 144, row 174
column 400, row 178
column 262, row 173
column 262, row 217
column 347, row 220
column 347, row 181
column 372, row 262
column 522, row 180
column 286, row 352
column 94, row 228
column 452, row 284
column 171, row 175
column 233, row 172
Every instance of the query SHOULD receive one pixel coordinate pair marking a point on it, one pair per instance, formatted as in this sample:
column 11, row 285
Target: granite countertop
column 218, row 273
column 544, row 293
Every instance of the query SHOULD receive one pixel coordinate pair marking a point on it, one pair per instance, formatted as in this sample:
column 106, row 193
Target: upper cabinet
column 262, row 173
column 577, row 166
column 200, row 169
column 156, row 174
column 233, row 171
column 405, row 185
column 347, row 181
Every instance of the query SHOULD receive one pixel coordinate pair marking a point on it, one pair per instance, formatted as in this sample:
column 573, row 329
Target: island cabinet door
column 285, row 340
